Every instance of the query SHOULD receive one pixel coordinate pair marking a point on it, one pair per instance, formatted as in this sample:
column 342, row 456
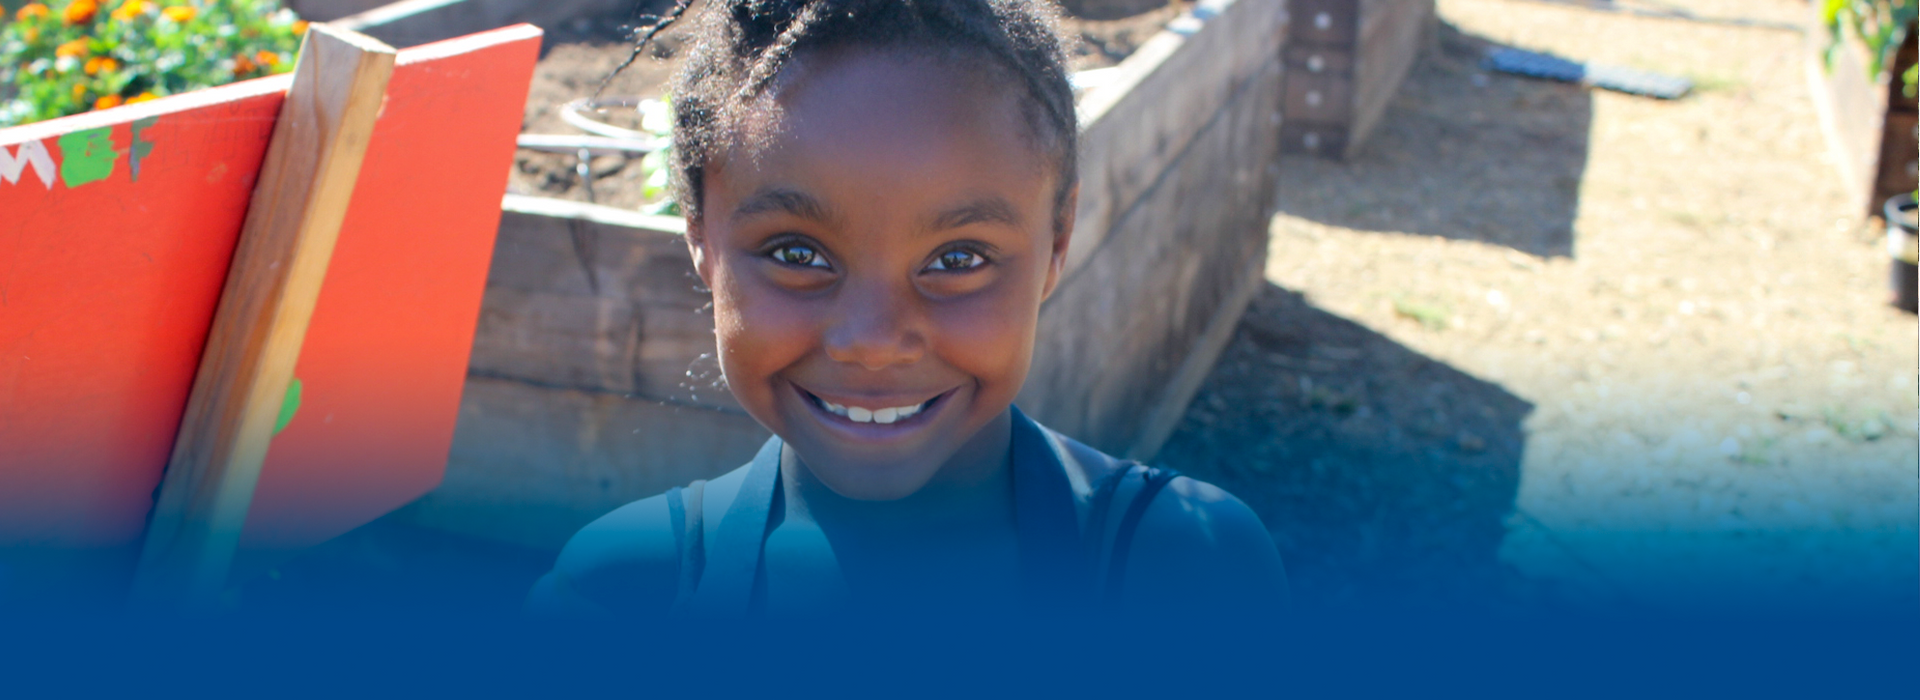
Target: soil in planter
column 580, row 55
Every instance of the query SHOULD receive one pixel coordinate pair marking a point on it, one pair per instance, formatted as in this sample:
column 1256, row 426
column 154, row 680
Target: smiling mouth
column 884, row 416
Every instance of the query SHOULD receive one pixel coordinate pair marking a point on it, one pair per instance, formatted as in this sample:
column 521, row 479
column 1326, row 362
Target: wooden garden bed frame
column 1869, row 124
column 588, row 391
column 1345, row 61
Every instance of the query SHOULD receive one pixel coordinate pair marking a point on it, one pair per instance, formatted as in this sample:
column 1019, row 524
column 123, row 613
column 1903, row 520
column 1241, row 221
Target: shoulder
column 1186, row 507
column 1195, row 538
column 627, row 562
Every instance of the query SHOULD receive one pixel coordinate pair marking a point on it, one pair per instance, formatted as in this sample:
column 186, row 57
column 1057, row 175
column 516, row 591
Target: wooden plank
column 1391, row 37
column 642, row 332
column 385, row 358
column 1324, row 98
column 1135, row 127
column 1851, row 107
column 1327, row 23
column 1166, row 413
column 1113, row 337
column 1898, row 147
column 292, row 224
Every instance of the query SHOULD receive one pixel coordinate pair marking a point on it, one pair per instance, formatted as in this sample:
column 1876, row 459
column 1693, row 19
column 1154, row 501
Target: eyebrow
column 787, row 201
column 986, row 210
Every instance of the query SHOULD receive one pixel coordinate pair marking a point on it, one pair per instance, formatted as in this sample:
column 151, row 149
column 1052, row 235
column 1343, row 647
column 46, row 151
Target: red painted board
column 386, row 355
column 108, row 287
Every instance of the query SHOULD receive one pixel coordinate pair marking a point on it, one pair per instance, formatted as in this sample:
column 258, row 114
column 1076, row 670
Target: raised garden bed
column 1345, row 61
column 1869, row 124
column 592, row 381
column 574, row 68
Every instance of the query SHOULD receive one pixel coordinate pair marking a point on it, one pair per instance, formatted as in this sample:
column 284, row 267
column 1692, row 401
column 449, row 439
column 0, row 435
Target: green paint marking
column 86, row 156
column 139, row 149
column 288, row 407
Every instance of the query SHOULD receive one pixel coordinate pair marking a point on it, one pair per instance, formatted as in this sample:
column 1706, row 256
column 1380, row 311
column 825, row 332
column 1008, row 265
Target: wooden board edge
column 299, row 203
column 470, row 43
column 171, row 104
column 596, row 213
column 391, row 12
column 1198, row 365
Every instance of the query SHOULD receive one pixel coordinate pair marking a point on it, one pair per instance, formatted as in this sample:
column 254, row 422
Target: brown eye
column 957, row 260
column 799, row 255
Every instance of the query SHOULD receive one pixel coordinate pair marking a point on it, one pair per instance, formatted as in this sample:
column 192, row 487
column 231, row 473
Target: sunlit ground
column 1723, row 405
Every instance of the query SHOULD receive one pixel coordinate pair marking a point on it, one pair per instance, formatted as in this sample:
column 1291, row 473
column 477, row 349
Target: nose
column 876, row 327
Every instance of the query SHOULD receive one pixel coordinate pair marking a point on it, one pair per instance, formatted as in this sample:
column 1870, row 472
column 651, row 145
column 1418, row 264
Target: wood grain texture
column 386, row 354
column 1166, row 413
column 1392, row 35
column 645, row 332
column 1133, row 128
column 1113, row 338
column 292, row 224
column 1331, row 111
column 1851, row 107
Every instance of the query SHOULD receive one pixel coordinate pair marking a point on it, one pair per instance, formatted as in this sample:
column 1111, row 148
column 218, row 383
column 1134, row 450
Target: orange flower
column 131, row 9
column 75, row 48
column 142, row 97
column 101, row 63
column 267, row 58
column 299, row 27
column 243, row 65
column 81, row 11
column 108, row 101
column 180, row 13
column 30, row 11
column 79, row 92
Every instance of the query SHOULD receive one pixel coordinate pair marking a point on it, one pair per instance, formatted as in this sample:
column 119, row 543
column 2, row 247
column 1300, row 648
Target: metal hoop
column 572, row 113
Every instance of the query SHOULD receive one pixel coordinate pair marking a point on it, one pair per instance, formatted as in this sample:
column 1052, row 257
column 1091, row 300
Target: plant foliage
column 1882, row 24
column 81, row 55
column 656, row 118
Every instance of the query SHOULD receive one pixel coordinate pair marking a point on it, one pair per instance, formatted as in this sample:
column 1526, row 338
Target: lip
column 872, row 432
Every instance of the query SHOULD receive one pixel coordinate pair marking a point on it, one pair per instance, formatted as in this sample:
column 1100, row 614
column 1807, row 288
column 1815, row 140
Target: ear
column 697, row 246
column 1062, row 238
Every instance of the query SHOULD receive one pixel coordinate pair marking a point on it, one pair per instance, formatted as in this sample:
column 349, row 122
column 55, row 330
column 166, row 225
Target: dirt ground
column 578, row 58
column 1540, row 345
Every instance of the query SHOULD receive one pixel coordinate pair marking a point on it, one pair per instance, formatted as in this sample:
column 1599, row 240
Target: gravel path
column 1538, row 345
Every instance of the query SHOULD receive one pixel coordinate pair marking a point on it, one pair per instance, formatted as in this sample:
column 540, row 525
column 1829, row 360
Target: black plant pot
column 1903, row 218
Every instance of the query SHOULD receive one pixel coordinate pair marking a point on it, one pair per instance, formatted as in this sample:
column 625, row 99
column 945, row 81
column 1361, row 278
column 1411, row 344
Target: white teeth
column 882, row 416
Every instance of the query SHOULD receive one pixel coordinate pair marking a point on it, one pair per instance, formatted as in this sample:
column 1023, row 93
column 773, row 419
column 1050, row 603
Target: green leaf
column 288, row 407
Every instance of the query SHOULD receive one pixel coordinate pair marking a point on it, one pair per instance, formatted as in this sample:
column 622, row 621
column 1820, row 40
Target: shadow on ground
column 1384, row 475
column 1459, row 154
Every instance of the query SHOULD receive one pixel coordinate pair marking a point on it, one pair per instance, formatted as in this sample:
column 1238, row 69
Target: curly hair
column 740, row 48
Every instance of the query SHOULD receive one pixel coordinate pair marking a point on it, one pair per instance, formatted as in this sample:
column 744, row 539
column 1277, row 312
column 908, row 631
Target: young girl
column 880, row 195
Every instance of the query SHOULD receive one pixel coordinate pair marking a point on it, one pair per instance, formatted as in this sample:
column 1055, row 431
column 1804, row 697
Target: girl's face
column 878, row 249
